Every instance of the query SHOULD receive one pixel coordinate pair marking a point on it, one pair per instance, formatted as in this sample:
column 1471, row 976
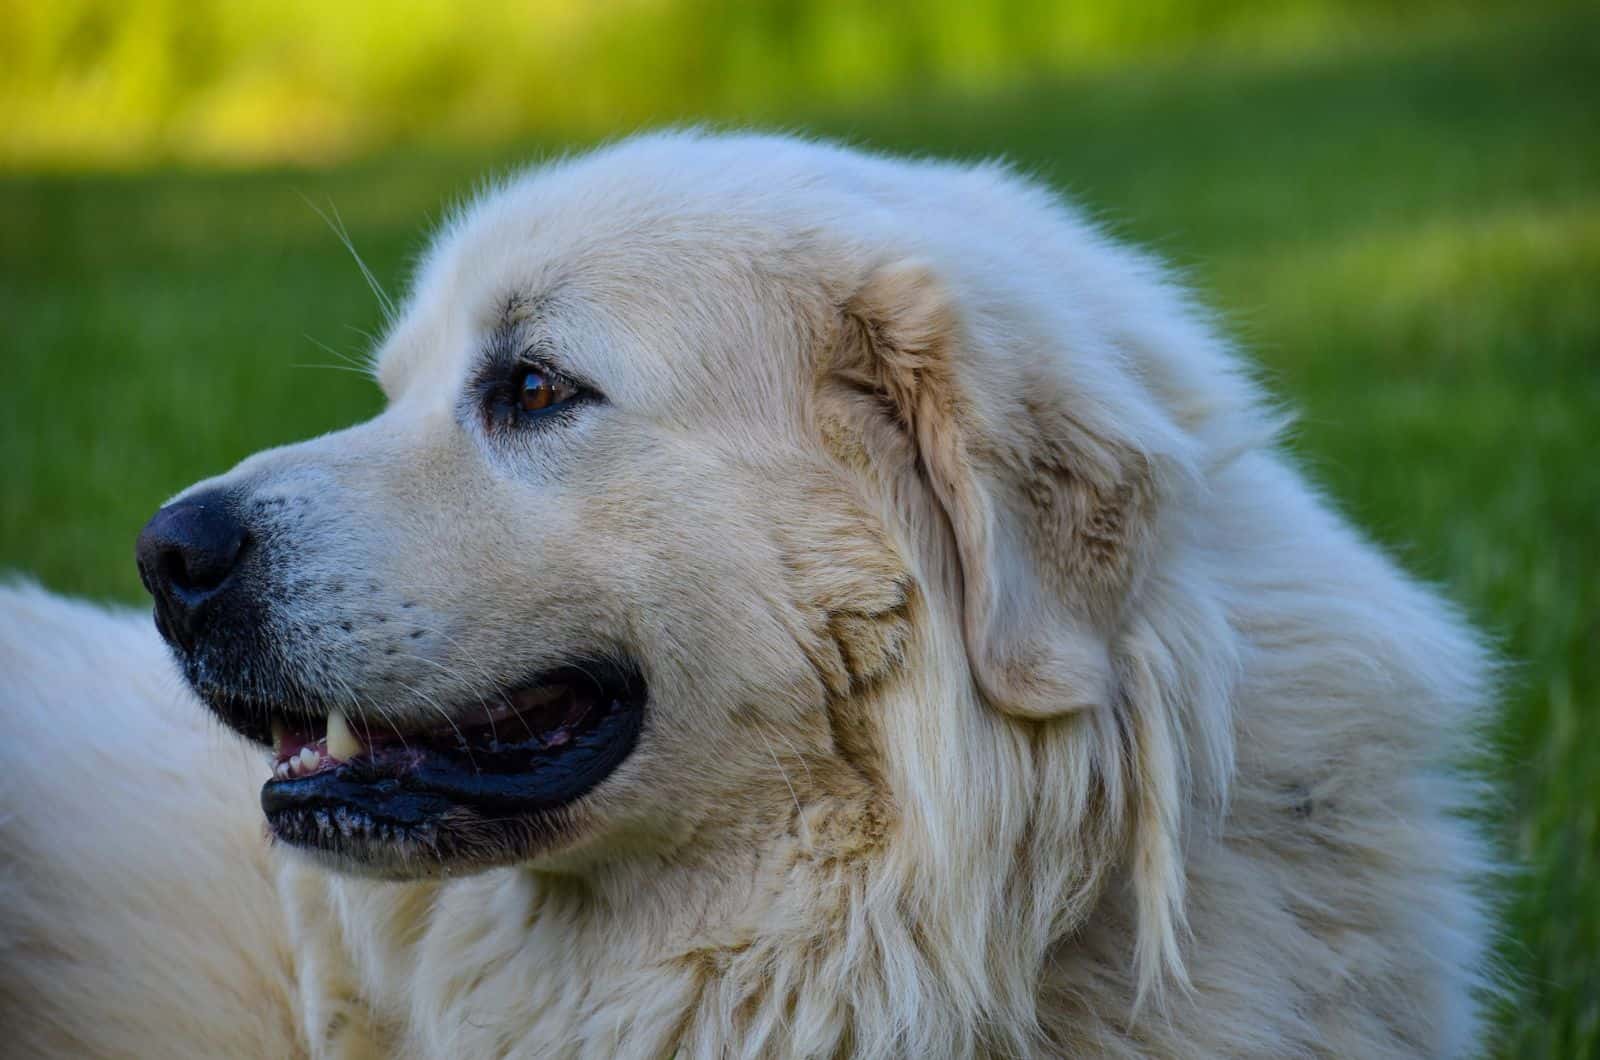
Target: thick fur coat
column 1011, row 694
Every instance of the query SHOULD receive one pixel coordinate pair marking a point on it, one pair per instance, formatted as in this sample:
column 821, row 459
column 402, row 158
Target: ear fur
column 1049, row 521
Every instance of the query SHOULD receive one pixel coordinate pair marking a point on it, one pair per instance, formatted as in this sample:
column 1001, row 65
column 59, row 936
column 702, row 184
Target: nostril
column 171, row 568
column 188, row 549
column 199, row 566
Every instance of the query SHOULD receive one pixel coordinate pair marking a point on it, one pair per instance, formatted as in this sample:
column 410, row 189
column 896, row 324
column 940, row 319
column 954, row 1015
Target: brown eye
column 540, row 392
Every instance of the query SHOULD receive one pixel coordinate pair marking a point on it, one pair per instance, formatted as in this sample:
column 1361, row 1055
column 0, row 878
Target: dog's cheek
column 850, row 590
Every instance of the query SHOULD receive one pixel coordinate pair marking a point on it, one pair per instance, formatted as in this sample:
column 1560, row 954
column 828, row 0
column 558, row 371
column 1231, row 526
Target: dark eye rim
column 502, row 396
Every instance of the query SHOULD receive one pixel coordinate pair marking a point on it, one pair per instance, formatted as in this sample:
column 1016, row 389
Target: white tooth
column 280, row 734
column 342, row 743
column 308, row 759
column 280, row 770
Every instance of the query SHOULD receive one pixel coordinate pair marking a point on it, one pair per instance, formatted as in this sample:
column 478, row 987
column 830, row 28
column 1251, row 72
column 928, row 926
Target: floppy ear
column 1050, row 521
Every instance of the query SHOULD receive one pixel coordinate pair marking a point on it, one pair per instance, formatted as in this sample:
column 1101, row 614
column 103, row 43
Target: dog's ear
column 1049, row 517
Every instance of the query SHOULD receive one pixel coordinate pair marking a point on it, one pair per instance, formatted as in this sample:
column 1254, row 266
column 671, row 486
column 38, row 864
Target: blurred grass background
column 1395, row 207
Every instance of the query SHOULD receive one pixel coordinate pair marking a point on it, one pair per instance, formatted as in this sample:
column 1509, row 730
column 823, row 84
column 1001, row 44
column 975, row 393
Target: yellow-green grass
column 117, row 82
column 1406, row 236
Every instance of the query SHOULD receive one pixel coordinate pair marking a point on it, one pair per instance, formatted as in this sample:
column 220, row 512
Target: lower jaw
column 452, row 843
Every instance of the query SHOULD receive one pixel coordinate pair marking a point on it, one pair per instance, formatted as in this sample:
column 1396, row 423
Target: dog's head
column 696, row 451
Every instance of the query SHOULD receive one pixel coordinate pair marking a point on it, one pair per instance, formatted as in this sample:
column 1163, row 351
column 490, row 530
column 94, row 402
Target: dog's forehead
column 627, row 286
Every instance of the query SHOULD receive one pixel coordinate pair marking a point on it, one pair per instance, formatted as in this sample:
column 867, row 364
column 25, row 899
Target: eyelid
column 536, row 359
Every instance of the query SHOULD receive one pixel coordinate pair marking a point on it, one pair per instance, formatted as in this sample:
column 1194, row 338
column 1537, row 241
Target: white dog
column 794, row 603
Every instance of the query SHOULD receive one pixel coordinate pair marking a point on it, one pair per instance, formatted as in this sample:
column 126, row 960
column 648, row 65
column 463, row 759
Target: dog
column 794, row 602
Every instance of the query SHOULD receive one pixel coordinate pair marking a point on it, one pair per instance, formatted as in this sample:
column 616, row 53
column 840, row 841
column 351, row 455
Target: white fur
column 921, row 779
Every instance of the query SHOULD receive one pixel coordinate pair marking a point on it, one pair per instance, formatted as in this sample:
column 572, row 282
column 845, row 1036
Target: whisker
column 460, row 677
column 336, row 368
column 430, row 701
column 330, row 351
column 362, row 705
column 336, row 223
column 372, row 340
column 781, row 771
column 801, row 758
column 489, row 678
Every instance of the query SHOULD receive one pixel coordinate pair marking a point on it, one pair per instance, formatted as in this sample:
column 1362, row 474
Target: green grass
column 1407, row 236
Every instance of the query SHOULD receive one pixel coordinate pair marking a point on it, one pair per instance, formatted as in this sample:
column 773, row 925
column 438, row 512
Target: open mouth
column 484, row 784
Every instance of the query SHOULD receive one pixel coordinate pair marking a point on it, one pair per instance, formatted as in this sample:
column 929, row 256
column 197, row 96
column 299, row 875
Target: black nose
column 186, row 553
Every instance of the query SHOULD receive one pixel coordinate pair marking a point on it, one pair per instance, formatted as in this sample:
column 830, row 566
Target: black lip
column 423, row 793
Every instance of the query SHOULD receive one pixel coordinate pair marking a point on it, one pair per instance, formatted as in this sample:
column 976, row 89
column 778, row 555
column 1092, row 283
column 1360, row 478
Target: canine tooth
column 308, row 759
column 342, row 743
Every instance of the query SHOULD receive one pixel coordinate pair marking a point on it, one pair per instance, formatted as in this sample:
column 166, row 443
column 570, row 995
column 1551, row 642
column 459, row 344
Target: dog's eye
column 530, row 396
column 539, row 391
